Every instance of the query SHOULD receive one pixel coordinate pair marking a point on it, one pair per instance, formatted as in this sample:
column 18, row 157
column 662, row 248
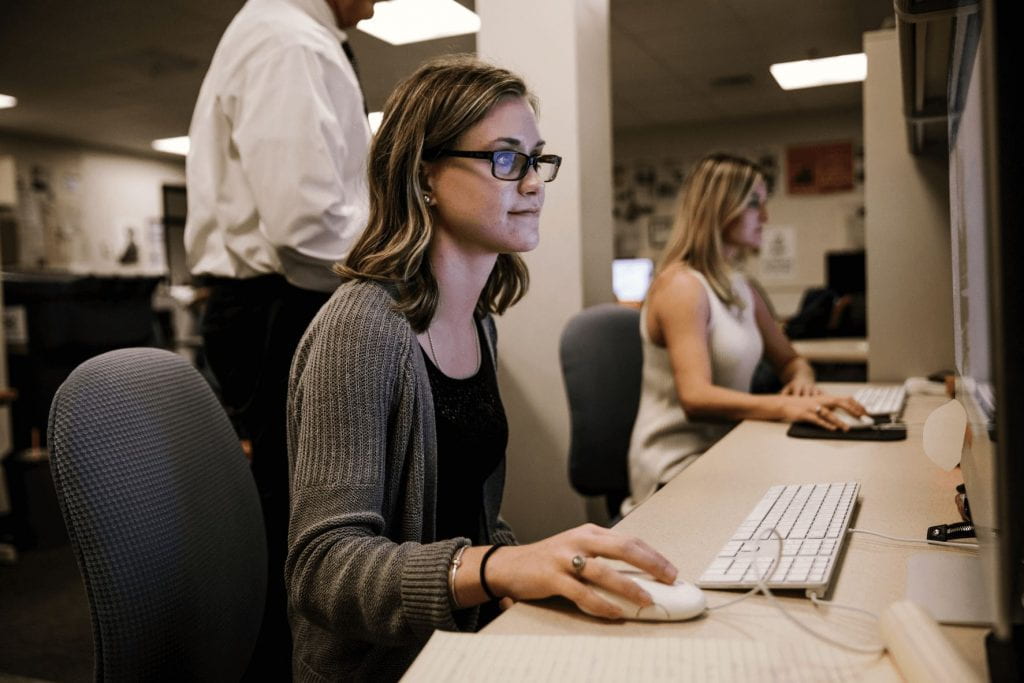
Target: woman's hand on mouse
column 547, row 568
column 819, row 410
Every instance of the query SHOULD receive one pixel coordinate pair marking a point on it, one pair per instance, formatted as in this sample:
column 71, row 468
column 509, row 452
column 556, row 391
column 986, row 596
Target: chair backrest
column 163, row 515
column 602, row 362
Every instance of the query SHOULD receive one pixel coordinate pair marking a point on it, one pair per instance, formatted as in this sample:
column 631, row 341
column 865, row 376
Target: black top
column 471, row 437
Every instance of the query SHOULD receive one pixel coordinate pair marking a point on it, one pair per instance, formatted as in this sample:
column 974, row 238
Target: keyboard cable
column 918, row 541
column 762, row 587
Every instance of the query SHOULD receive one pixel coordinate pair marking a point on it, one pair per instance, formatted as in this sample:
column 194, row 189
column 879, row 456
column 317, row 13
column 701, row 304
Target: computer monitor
column 630, row 278
column 845, row 272
column 985, row 157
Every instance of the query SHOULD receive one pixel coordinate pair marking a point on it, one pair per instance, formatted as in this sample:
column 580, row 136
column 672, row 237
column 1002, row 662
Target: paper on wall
column 778, row 252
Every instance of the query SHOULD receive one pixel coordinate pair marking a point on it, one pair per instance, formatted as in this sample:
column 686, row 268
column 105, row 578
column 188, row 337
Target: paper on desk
column 596, row 659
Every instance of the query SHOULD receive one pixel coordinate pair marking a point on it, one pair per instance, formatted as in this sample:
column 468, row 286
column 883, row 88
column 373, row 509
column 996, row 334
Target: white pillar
column 561, row 49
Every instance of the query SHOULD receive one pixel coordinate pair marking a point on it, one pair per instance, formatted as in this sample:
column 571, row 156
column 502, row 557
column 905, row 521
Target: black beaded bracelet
column 483, row 568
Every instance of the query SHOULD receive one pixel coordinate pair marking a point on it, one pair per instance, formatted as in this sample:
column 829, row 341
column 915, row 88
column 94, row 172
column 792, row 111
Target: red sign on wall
column 820, row 168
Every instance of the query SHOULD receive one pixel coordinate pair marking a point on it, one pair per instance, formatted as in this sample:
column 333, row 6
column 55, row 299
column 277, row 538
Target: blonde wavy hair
column 714, row 194
column 426, row 114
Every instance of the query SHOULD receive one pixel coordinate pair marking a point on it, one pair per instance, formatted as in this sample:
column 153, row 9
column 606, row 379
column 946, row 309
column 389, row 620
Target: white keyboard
column 812, row 520
column 885, row 400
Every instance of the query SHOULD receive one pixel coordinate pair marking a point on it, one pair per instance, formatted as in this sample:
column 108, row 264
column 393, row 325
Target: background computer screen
column 845, row 272
column 631, row 277
column 985, row 176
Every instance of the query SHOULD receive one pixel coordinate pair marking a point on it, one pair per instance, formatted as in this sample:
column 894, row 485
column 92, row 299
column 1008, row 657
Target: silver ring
column 578, row 563
column 817, row 411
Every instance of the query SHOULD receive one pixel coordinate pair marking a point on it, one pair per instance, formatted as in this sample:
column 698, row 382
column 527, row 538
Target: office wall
column 571, row 267
column 910, row 307
column 820, row 222
column 76, row 205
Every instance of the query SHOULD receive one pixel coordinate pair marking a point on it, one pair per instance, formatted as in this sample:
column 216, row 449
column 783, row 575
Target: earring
column 428, row 199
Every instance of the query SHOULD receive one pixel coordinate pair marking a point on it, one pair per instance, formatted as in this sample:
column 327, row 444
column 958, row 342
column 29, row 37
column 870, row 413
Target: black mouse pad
column 883, row 432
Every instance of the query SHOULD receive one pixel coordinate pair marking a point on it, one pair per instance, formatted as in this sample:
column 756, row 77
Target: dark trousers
column 250, row 331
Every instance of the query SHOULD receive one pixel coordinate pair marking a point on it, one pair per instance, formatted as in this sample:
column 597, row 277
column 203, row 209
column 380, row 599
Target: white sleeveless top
column 664, row 440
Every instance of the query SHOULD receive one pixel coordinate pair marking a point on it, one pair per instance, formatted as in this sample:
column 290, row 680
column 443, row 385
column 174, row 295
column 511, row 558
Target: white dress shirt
column 276, row 173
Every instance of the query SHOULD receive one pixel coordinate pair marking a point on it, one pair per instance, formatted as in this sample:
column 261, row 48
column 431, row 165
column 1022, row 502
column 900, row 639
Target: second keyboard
column 882, row 400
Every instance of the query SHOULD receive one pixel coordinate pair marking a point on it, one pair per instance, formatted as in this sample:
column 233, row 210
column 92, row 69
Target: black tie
column 347, row 49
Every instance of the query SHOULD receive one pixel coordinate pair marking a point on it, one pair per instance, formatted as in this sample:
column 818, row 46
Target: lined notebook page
column 595, row 659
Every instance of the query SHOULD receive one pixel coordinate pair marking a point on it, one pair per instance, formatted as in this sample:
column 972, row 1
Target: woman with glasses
column 704, row 329
column 396, row 429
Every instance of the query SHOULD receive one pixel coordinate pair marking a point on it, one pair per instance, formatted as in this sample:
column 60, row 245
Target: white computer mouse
column 677, row 602
column 852, row 421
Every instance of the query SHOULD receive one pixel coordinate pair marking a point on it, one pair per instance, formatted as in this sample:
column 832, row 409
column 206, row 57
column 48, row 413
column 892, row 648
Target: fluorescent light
column 375, row 118
column 8, row 101
column 410, row 21
column 172, row 145
column 809, row 73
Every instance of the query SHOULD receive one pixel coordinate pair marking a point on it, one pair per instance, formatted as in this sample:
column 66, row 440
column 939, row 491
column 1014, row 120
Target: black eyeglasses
column 509, row 165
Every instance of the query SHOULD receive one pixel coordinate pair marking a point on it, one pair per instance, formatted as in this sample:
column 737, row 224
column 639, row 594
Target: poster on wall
column 35, row 206
column 157, row 256
column 778, row 252
column 659, row 229
column 627, row 239
column 48, row 219
column 819, row 168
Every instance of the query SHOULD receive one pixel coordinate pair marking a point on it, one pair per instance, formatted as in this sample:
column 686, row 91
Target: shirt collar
column 321, row 13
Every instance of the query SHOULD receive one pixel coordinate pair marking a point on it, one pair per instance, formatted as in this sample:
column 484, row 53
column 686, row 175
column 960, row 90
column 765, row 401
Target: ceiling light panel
column 400, row 22
column 178, row 145
column 810, row 73
column 8, row 101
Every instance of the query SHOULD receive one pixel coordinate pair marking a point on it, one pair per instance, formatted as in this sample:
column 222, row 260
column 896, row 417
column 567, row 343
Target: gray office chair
column 163, row 516
column 602, row 361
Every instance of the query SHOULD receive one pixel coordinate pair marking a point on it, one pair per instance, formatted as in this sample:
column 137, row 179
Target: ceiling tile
column 121, row 72
column 640, row 17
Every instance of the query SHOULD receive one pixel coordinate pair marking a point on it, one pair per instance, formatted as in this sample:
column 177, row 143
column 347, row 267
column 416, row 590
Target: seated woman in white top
column 704, row 329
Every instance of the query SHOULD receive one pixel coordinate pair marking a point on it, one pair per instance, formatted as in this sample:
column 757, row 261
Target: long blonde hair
column 714, row 194
column 426, row 114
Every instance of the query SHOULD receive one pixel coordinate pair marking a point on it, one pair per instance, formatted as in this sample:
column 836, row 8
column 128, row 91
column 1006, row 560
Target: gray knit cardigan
column 367, row 577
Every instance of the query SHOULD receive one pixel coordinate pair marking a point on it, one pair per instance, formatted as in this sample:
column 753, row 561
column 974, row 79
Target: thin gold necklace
column 433, row 354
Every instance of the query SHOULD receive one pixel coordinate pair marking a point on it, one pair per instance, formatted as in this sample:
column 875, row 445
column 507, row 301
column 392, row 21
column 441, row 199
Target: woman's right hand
column 819, row 410
column 543, row 569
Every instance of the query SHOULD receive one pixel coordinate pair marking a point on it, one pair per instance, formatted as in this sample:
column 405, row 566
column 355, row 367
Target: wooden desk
column 902, row 493
column 833, row 350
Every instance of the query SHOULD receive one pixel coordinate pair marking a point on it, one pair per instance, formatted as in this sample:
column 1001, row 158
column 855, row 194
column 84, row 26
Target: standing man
column 276, row 195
